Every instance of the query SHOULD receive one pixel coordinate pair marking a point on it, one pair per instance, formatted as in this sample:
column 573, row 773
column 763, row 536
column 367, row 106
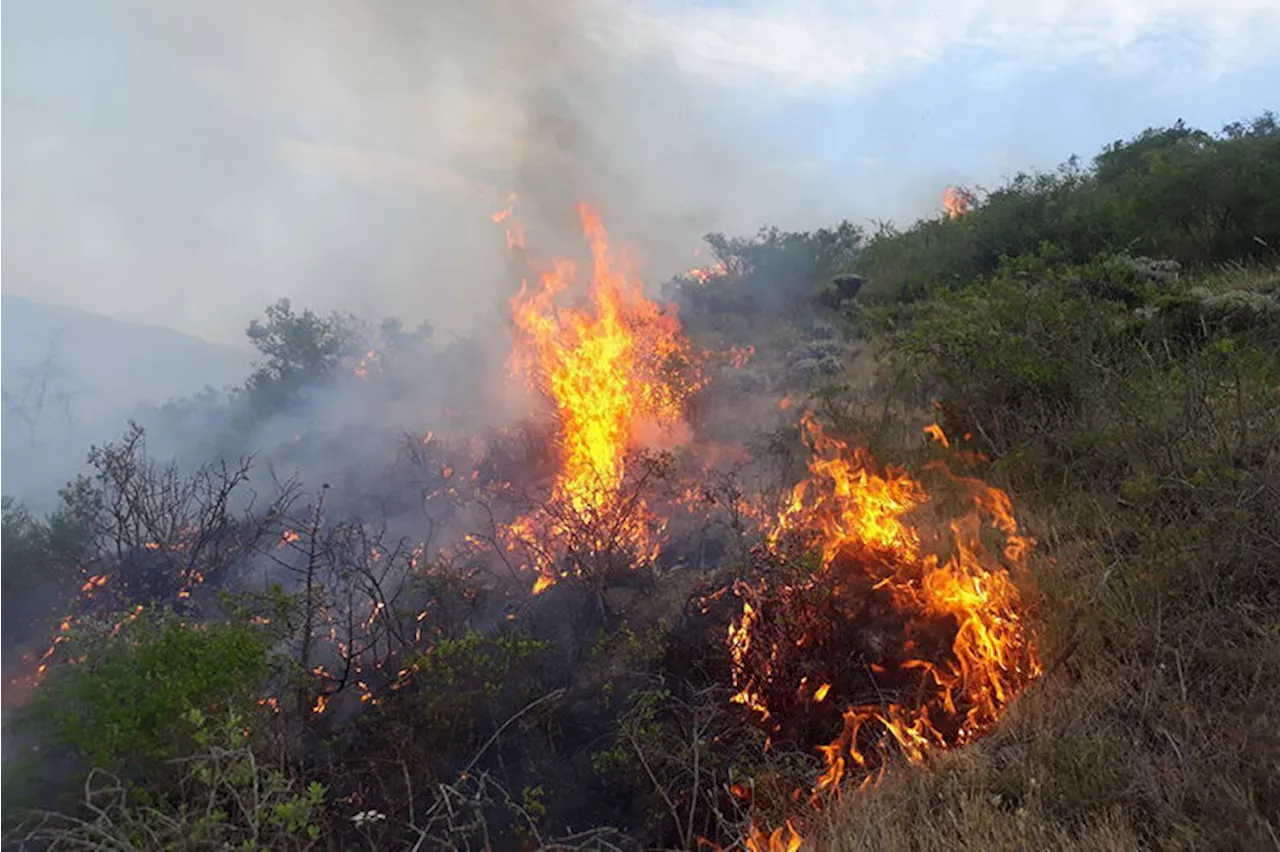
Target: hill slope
column 71, row 377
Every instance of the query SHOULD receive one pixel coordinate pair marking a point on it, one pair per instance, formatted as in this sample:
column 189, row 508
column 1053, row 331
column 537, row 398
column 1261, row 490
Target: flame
column 957, row 201
column 935, row 433
column 740, row 355
column 617, row 370
column 962, row 652
column 782, row 839
column 515, row 233
column 368, row 363
column 505, row 213
column 97, row 581
column 703, row 274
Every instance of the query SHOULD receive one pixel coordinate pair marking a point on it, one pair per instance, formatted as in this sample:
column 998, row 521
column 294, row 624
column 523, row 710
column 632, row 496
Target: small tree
column 41, row 388
column 299, row 349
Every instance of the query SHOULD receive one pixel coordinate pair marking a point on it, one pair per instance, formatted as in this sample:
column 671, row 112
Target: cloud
column 831, row 45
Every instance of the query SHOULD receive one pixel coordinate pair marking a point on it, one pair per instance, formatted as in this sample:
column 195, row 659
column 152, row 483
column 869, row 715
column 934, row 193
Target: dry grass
column 1158, row 597
column 1067, row 771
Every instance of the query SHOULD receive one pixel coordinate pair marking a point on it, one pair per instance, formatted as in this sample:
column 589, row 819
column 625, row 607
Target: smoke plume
column 187, row 164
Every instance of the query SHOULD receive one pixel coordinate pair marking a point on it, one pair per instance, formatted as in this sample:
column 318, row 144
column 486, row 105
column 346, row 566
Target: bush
column 40, row 559
column 1007, row 359
column 226, row 797
column 122, row 700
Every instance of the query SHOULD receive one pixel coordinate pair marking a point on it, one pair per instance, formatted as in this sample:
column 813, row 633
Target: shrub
column 126, row 698
column 225, row 797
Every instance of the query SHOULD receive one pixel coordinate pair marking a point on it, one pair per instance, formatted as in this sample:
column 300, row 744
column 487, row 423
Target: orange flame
column 515, row 233
column 367, row 364
column 781, row 839
column 703, row 274
column 964, row 608
column 94, row 582
column 614, row 369
column 957, row 201
column 505, row 213
column 740, row 355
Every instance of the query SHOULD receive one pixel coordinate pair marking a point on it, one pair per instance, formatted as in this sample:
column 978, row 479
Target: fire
column 97, row 581
column 367, row 363
column 505, row 213
column 957, row 201
column 781, row 839
column 703, row 274
column 515, row 233
column 740, row 355
column 918, row 643
column 617, row 371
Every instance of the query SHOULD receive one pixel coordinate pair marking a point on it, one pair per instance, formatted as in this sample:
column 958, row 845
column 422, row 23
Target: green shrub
column 1012, row 357
column 224, row 797
column 459, row 683
column 126, row 702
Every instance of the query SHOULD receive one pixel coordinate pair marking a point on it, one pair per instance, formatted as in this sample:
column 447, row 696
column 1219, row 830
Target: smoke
column 186, row 164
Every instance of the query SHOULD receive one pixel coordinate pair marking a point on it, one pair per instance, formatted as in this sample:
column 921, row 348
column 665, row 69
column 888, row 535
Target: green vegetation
column 1170, row 193
column 129, row 700
column 42, row 553
column 225, row 797
column 461, row 681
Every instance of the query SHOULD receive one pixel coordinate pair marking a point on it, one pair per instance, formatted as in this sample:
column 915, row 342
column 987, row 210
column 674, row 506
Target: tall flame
column 614, row 369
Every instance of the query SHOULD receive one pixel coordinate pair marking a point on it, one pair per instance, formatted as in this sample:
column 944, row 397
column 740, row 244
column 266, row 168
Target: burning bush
column 618, row 373
column 857, row 629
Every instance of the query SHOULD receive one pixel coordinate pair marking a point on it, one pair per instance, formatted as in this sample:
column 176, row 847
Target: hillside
column 959, row 536
column 98, row 370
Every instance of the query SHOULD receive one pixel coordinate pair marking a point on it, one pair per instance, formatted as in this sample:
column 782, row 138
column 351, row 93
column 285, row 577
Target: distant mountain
column 71, row 377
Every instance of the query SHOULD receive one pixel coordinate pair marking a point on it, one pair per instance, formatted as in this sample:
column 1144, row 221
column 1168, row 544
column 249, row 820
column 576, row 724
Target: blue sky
column 899, row 143
column 184, row 164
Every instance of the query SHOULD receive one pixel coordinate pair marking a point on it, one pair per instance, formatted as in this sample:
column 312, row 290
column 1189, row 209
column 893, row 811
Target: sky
column 185, row 164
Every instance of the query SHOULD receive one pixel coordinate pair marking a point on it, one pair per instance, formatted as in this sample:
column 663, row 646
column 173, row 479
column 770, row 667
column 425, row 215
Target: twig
column 554, row 694
column 675, row 814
